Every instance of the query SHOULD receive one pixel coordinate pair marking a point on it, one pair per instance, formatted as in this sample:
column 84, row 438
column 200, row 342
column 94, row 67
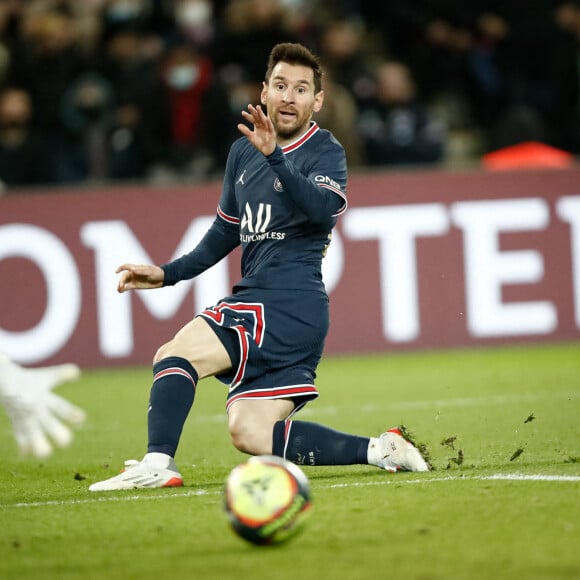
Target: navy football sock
column 172, row 394
column 313, row 444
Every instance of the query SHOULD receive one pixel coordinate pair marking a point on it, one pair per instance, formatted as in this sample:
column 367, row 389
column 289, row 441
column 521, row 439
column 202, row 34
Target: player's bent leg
column 308, row 443
column 251, row 423
column 194, row 353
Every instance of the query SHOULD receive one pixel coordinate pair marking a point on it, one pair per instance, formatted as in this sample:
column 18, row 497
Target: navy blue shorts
column 275, row 340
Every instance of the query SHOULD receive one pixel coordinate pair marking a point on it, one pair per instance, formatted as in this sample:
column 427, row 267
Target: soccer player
column 284, row 187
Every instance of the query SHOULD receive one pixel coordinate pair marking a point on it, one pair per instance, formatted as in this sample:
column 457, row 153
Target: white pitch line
column 524, row 477
column 198, row 492
column 495, row 477
column 101, row 499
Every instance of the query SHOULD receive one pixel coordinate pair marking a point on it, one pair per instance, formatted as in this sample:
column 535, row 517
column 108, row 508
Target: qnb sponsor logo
column 254, row 224
column 327, row 180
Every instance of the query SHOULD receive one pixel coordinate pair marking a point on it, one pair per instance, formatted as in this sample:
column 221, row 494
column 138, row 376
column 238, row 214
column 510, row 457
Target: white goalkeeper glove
column 38, row 415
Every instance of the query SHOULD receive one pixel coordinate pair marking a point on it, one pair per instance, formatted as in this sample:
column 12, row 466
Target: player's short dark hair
column 296, row 54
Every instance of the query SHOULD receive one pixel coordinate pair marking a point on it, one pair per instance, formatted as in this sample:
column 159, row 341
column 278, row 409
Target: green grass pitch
column 502, row 426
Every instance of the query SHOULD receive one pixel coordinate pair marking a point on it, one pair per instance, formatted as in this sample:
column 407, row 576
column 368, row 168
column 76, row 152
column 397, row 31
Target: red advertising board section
column 420, row 260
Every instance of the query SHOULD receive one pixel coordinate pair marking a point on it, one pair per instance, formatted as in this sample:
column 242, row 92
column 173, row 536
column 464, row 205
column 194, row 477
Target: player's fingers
column 33, row 441
column 21, row 436
column 125, row 282
column 247, row 116
column 49, row 377
column 261, row 118
column 54, row 428
column 67, row 372
column 261, row 114
column 65, row 410
column 123, row 267
column 251, row 117
column 256, row 115
column 244, row 130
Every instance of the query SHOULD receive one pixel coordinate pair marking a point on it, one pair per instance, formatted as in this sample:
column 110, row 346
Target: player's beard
column 290, row 131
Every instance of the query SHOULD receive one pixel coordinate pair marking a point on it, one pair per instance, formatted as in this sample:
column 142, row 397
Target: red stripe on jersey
column 287, row 427
column 214, row 315
column 338, row 192
column 293, row 146
column 244, row 352
column 257, row 309
column 276, row 393
column 174, row 371
column 228, row 218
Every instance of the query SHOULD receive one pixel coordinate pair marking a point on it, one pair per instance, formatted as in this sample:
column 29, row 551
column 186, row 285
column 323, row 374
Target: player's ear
column 264, row 92
column 318, row 101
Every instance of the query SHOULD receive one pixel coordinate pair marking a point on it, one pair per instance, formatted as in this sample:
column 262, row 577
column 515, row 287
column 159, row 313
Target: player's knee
column 164, row 351
column 250, row 438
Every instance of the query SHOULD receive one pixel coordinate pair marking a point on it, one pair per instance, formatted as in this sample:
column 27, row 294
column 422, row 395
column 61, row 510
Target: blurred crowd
column 98, row 91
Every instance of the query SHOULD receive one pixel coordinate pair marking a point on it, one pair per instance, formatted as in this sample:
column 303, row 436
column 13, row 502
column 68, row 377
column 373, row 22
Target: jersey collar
column 314, row 128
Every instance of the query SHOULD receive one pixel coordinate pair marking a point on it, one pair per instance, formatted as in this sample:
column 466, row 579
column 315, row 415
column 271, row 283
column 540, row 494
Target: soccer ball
column 267, row 499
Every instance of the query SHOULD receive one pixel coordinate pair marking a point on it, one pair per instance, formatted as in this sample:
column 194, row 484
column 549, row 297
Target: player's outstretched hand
column 38, row 416
column 263, row 137
column 139, row 277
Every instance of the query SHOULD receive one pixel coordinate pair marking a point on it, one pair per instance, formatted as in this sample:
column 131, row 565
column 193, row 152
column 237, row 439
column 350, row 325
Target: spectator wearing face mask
column 87, row 111
column 197, row 109
column 195, row 24
column 122, row 13
column 22, row 158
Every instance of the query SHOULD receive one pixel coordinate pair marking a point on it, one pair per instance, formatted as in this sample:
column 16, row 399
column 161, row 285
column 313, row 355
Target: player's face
column 290, row 100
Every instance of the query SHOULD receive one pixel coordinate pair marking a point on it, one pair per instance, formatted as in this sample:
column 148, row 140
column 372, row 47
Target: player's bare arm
column 139, row 277
column 263, row 137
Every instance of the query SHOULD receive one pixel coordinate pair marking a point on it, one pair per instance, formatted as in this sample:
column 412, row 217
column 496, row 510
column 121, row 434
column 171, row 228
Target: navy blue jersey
column 280, row 208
